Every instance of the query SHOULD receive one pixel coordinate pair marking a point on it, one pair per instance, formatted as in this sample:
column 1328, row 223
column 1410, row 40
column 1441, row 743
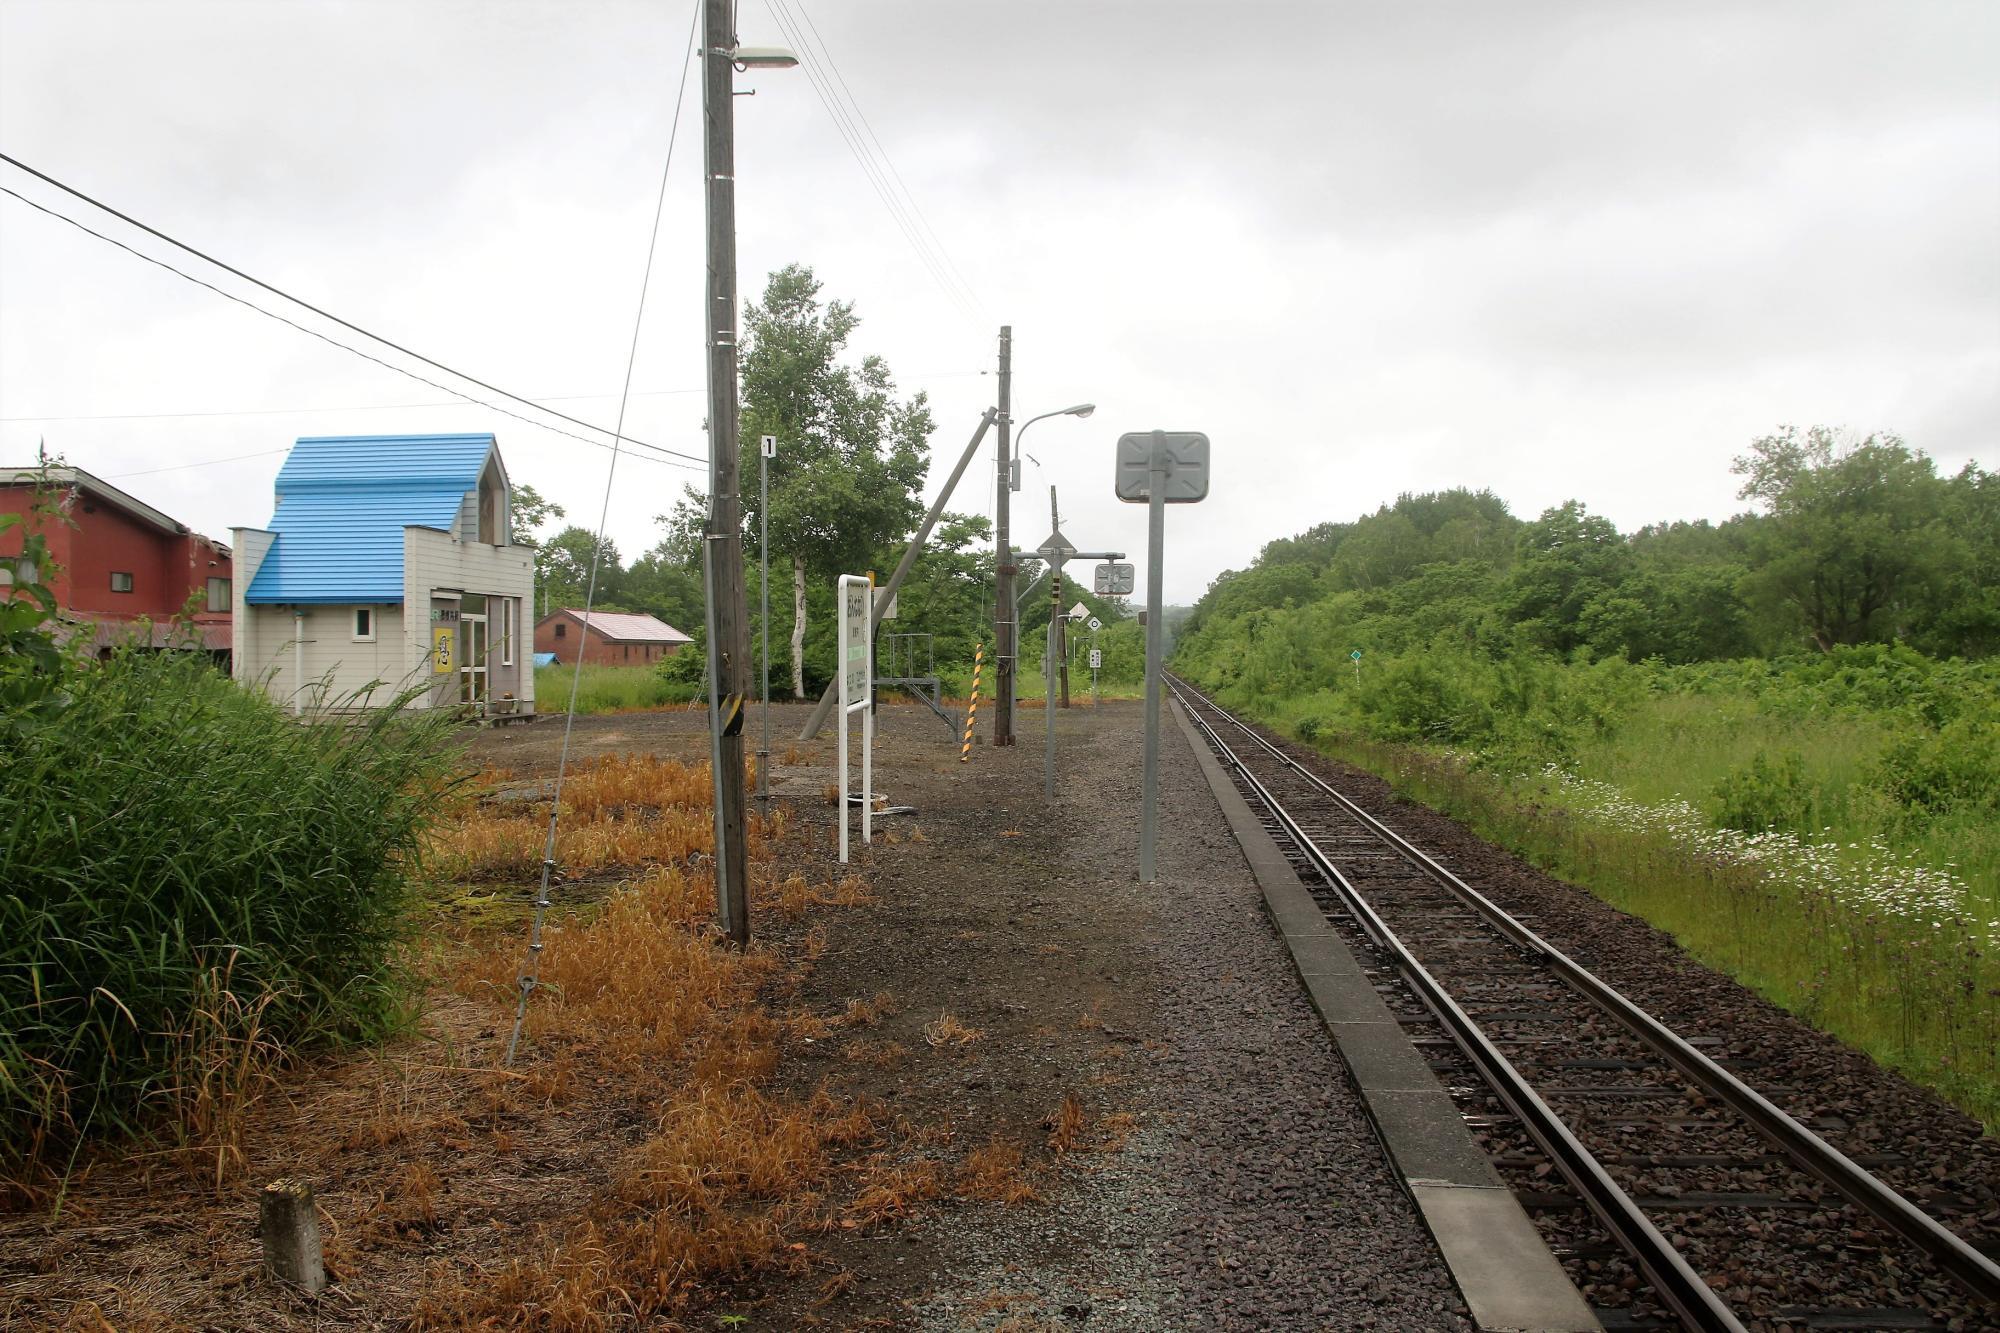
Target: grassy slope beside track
column 1855, row 903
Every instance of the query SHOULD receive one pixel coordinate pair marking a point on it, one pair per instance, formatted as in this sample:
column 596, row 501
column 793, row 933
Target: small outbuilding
column 615, row 638
column 390, row 559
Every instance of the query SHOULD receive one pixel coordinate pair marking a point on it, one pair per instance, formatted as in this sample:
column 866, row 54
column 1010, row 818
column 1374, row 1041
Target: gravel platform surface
column 1224, row 1175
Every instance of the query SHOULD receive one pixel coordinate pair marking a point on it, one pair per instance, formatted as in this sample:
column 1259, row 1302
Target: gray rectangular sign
column 1114, row 580
column 1185, row 460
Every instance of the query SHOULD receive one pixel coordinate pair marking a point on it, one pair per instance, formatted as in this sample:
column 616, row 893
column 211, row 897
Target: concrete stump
column 288, row 1225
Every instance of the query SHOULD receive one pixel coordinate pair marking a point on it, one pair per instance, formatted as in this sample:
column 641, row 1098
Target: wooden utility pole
column 728, row 608
column 1006, row 622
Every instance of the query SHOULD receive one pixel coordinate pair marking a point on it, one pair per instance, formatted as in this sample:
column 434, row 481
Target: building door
column 473, row 647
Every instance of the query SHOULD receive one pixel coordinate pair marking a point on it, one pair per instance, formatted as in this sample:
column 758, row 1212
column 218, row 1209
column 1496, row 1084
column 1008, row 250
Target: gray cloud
column 1552, row 249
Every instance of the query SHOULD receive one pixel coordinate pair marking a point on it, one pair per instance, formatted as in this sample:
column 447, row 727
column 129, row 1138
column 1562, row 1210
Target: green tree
column 1856, row 545
column 661, row 583
column 852, row 455
column 1567, row 559
column 562, row 569
column 530, row 512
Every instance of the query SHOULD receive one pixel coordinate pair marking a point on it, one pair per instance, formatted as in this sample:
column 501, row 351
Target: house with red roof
column 606, row 638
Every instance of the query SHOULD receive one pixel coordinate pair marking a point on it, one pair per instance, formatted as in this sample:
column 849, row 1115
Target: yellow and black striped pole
column 972, row 713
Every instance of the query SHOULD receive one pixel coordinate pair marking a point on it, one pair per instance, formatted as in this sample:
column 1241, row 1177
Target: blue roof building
column 389, row 563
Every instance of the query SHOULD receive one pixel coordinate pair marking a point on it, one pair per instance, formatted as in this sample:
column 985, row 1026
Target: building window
column 562, row 631
column 506, row 631
column 218, row 594
column 120, row 581
column 364, row 624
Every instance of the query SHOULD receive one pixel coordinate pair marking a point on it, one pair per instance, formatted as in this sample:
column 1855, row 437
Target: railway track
column 1673, row 1191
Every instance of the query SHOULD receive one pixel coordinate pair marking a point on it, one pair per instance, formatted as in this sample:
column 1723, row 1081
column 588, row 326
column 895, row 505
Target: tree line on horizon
column 1851, row 542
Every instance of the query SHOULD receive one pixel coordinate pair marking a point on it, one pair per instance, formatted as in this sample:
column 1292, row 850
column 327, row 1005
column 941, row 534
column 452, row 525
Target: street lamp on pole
column 1014, row 464
column 1007, row 614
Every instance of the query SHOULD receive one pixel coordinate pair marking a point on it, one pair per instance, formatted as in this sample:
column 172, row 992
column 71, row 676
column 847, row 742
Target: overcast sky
column 1560, row 250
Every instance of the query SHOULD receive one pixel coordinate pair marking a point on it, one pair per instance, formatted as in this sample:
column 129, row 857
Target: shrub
column 166, row 828
column 1763, row 794
column 1952, row 769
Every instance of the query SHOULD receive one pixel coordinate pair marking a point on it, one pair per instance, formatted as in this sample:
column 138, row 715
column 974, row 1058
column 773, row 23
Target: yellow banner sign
column 441, row 653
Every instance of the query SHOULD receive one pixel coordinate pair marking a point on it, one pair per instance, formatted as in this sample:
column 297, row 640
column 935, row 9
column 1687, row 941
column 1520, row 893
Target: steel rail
column 1808, row 1150
column 1679, row 1287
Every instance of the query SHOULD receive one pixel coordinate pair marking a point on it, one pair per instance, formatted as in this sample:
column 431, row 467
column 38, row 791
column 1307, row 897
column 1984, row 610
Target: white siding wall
column 330, row 654
column 432, row 560
column 249, row 657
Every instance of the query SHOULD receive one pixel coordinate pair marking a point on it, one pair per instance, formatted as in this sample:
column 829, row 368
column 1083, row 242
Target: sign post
column 1356, row 655
column 857, row 689
column 1096, row 657
column 1055, row 551
column 1157, row 468
column 768, row 451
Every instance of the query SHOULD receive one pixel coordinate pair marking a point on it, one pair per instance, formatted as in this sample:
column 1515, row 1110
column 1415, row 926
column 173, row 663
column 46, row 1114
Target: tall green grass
column 170, row 836
column 610, row 689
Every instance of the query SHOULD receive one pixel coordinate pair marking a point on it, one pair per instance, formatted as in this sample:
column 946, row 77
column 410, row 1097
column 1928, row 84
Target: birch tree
column 848, row 477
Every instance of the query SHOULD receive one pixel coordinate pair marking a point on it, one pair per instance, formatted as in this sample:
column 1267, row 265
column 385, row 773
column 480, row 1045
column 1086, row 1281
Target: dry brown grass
column 880, row 1054
column 644, row 980
column 891, row 1190
column 628, row 811
column 1065, row 1124
column 794, row 896
column 945, row 1030
column 223, row 1064
column 996, row 1174
column 1114, row 1129
column 867, row 1013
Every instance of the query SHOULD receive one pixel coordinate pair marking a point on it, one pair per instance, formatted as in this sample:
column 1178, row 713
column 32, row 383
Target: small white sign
column 1095, row 625
column 770, row 446
column 857, row 683
column 1079, row 611
column 854, row 638
column 1096, row 658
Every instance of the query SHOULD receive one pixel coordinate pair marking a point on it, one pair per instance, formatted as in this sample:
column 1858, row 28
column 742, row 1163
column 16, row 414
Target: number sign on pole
column 1157, row 468
column 857, row 689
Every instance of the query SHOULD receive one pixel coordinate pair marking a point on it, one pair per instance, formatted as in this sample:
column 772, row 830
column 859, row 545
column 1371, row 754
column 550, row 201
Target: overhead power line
column 307, row 305
column 346, row 347
column 937, row 241
column 401, row 407
column 206, row 462
column 930, row 254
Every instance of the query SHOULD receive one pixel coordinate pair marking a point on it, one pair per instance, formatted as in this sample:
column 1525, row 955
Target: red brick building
column 615, row 638
column 119, row 559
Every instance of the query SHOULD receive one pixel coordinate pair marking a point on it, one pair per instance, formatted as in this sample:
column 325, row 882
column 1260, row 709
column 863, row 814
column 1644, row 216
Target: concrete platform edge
column 1509, row 1278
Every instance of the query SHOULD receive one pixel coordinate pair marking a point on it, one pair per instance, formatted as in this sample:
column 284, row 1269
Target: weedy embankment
column 635, row 1163
column 193, row 884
